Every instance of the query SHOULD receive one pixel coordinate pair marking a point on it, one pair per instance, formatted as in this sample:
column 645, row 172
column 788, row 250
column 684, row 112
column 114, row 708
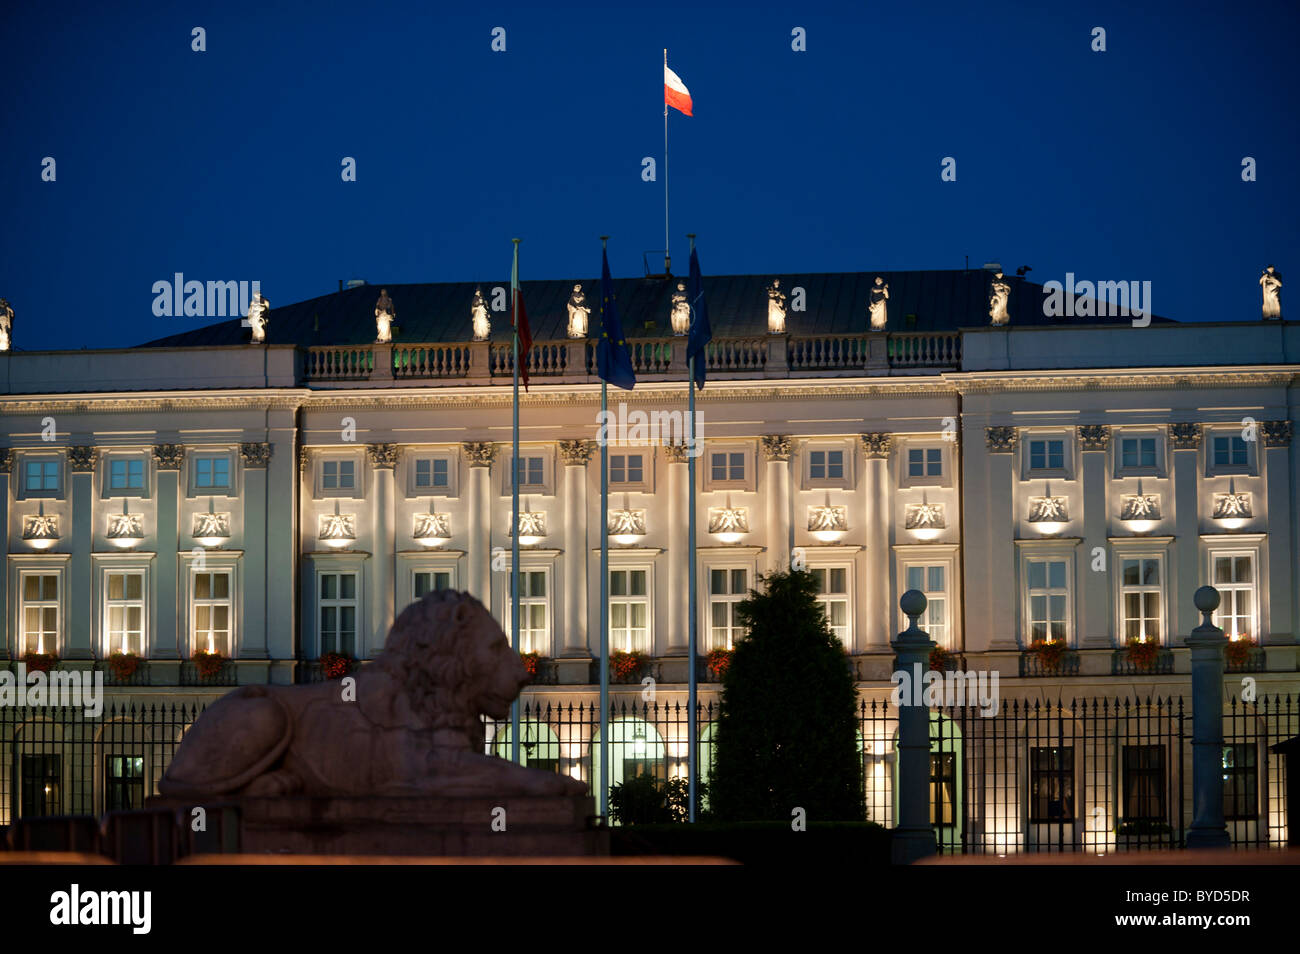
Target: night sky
column 225, row 164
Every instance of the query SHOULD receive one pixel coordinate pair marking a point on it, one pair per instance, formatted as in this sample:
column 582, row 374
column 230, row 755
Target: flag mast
column 692, row 638
column 667, row 257
column 514, row 502
column 603, row 803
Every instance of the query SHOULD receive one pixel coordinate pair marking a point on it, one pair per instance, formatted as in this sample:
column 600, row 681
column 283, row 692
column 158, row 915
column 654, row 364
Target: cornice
column 279, row 400
column 1120, row 379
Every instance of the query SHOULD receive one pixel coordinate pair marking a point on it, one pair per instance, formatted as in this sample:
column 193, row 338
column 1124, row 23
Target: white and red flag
column 676, row 94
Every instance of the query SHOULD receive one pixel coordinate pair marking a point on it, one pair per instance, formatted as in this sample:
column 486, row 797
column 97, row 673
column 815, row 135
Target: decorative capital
column 676, row 453
column 82, row 458
column 255, row 454
column 6, row 460
column 1276, row 433
column 169, row 456
column 304, row 457
column 1094, row 436
column 382, row 455
column 776, row 446
column 480, row 453
column 1001, row 439
column 577, row 453
column 878, row 444
column 1185, row 436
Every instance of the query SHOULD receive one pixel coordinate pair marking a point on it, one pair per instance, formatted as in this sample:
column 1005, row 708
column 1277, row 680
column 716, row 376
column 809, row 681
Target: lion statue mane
column 410, row 726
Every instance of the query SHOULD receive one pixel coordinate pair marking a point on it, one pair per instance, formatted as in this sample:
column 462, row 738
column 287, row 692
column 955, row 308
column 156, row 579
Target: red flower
column 123, row 665
column 718, row 660
column 335, row 665
column 627, row 666
column 1236, row 652
column 531, row 662
column 208, row 664
column 41, row 662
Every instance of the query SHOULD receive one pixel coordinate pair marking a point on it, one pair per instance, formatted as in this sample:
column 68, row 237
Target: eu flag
column 700, row 334
column 613, row 361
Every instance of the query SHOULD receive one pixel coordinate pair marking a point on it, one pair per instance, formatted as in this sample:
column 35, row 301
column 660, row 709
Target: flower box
column 335, row 665
column 40, row 662
column 208, row 664
column 123, row 665
column 627, row 667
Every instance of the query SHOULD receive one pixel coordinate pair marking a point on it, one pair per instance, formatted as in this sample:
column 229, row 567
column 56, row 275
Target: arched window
column 539, row 747
column 635, row 748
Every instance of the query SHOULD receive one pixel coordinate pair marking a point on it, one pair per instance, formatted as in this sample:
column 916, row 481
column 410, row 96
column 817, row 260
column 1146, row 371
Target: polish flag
column 676, row 94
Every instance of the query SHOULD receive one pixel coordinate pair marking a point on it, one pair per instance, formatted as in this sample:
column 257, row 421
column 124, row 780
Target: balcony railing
column 190, row 675
column 1121, row 665
column 765, row 356
column 1032, row 664
column 1255, row 661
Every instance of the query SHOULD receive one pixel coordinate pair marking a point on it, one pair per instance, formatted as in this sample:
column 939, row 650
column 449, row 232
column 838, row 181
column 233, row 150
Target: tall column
column 1094, row 607
column 281, row 546
column 678, row 558
column 877, row 521
column 383, row 461
column 776, row 501
column 81, row 461
column 1207, row 641
column 997, row 602
column 1185, row 439
column 257, row 589
column 479, row 517
column 1276, row 440
column 576, row 455
column 6, row 465
column 168, row 459
column 914, row 837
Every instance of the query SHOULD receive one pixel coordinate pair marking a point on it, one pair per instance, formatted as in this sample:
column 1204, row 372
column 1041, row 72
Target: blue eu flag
column 613, row 361
column 700, row 334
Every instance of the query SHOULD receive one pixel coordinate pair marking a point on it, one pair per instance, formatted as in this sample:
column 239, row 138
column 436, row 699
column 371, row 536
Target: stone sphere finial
column 1207, row 601
column 913, row 604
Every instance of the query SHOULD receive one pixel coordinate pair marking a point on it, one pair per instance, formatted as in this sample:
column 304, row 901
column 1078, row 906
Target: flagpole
column 667, row 257
column 692, row 638
column 604, row 587
column 514, row 503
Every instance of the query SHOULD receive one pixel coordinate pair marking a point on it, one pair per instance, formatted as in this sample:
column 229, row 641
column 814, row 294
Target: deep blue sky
column 1123, row 165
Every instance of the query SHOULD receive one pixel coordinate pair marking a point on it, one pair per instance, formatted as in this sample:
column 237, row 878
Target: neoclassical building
column 1038, row 478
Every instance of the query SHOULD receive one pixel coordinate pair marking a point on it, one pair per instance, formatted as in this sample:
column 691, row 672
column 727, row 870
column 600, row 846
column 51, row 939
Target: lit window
column 933, row 582
column 1144, row 783
column 629, row 611
column 431, row 581
column 1051, row 784
column 1229, row 451
column 40, row 612
column 124, row 612
column 212, row 472
column 1047, row 455
column 943, row 789
column 1048, row 594
column 826, row 465
column 1138, row 452
column 727, row 466
column 529, row 471
column 42, row 475
column 1234, row 578
column 125, row 788
column 431, row 472
column 338, row 613
column 833, row 595
column 727, row 588
column 212, row 610
column 338, row 474
column 534, row 611
column 925, row 462
column 1140, row 592
column 1240, row 782
column 126, row 475
column 626, row 469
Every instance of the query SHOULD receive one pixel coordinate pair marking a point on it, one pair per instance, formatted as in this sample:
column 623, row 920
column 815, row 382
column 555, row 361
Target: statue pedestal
column 427, row 826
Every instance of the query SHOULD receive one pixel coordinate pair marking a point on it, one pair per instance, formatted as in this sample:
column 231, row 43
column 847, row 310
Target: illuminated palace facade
column 1043, row 479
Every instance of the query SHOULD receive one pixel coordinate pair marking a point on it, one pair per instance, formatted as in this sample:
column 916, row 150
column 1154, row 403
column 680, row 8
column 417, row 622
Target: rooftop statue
column 775, row 308
column 258, row 317
column 6, row 325
column 384, row 315
column 413, row 728
column 1271, row 282
column 876, row 304
column 578, row 312
column 478, row 314
column 999, row 294
column 681, row 313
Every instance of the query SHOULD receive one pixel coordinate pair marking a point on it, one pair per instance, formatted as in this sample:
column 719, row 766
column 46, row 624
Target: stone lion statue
column 413, row 729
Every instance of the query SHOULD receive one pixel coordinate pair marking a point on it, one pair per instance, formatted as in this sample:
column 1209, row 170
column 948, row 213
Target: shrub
column 644, row 800
column 787, row 727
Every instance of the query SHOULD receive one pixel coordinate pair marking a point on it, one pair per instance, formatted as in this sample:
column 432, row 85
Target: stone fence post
column 1207, row 641
column 914, row 836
